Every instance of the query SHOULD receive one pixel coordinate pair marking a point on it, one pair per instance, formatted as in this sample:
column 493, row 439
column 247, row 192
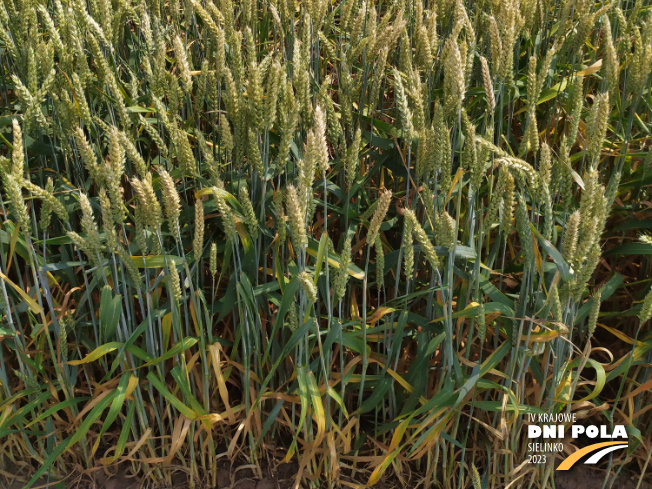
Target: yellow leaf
column 318, row 408
column 214, row 351
column 379, row 313
column 458, row 177
column 36, row 309
column 544, row 337
column 98, row 353
column 619, row 335
column 193, row 315
column 12, row 246
column 166, row 325
column 594, row 68
column 335, row 263
column 563, row 391
column 380, row 470
column 204, row 191
column 131, row 386
column 537, row 254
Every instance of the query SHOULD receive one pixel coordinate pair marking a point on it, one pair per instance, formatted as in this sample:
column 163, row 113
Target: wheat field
column 366, row 238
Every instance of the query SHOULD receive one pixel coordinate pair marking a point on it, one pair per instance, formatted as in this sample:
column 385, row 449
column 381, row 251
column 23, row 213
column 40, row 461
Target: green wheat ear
column 488, row 84
column 297, row 215
column 213, row 260
column 475, row 478
column 342, row 274
column 308, row 287
column 183, row 64
column 250, row 214
column 422, row 238
column 481, row 324
column 646, row 309
column 593, row 313
column 16, row 203
column 380, row 262
column 228, row 219
column 405, row 114
column 454, row 78
column 175, row 282
column 445, row 230
column 198, row 240
column 379, row 216
column 171, row 201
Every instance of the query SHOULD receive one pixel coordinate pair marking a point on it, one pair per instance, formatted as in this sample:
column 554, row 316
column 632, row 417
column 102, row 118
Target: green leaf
column 62, row 405
column 155, row 261
column 336, row 397
column 600, row 377
column 323, row 245
column 377, row 396
column 184, row 387
column 177, row 349
column 110, row 309
column 135, row 109
column 91, row 418
column 54, row 455
column 606, row 290
column 494, row 358
column 288, row 301
column 269, row 421
column 553, row 91
column 305, row 402
column 469, row 384
column 18, row 416
column 562, row 266
column 124, row 434
column 158, row 384
column 631, row 249
column 497, row 407
column 98, row 353
column 334, row 260
column 114, row 410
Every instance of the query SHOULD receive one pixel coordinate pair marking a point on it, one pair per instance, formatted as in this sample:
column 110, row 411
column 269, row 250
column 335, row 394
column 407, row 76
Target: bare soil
column 582, row 477
column 282, row 477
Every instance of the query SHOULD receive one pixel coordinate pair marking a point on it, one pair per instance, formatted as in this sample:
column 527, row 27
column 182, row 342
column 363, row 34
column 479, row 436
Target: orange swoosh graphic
column 571, row 459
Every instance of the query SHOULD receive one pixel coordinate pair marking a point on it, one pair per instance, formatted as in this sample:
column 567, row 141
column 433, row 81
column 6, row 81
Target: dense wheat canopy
column 364, row 237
